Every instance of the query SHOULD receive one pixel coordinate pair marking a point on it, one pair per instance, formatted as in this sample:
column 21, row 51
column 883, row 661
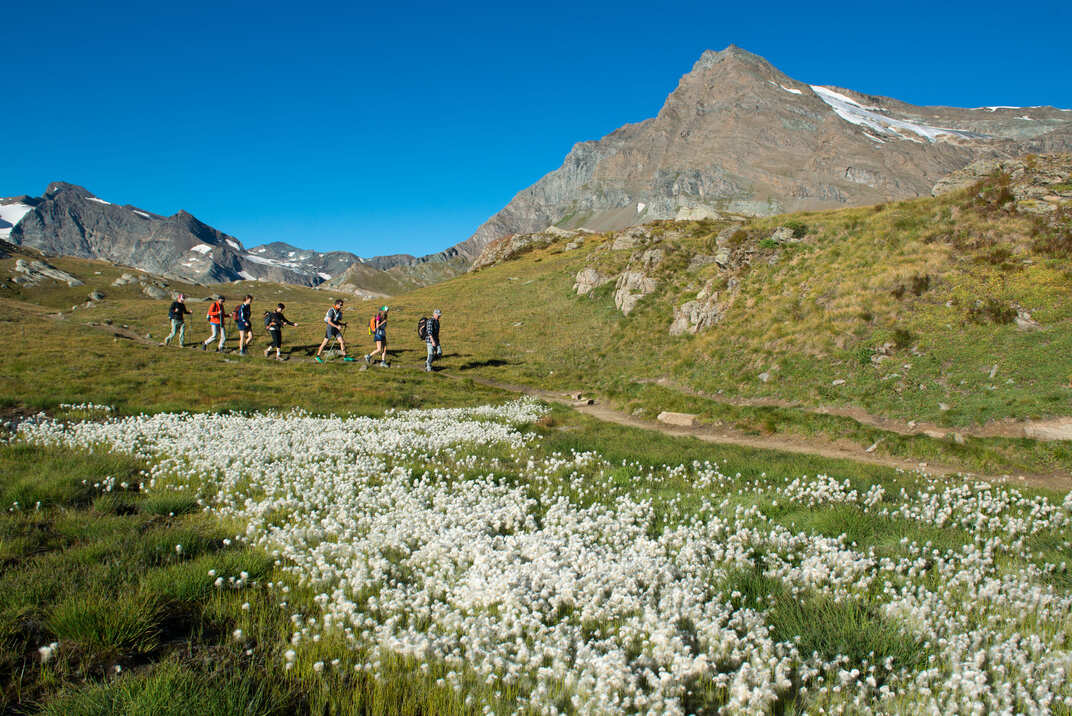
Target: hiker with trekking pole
column 242, row 315
column 178, row 313
column 378, row 331
column 334, row 331
column 273, row 323
column 216, row 316
column 428, row 330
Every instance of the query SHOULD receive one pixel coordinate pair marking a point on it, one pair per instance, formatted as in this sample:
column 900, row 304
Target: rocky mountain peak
column 59, row 187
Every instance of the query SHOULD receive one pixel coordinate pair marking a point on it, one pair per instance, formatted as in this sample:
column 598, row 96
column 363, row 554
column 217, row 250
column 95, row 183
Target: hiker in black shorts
column 333, row 331
column 243, row 314
column 273, row 322
column 378, row 329
column 178, row 313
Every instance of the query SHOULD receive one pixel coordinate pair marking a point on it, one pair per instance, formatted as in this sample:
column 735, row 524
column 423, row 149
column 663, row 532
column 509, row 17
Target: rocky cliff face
column 739, row 137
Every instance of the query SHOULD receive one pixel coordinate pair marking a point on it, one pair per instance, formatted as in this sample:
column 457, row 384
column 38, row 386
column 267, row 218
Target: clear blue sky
column 401, row 127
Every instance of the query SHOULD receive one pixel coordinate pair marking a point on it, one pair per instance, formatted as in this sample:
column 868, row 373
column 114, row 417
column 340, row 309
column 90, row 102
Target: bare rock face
column 631, row 287
column 588, row 280
column 694, row 316
column 34, row 272
column 737, row 136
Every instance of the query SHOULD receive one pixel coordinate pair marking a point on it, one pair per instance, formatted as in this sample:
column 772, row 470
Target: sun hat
column 385, row 308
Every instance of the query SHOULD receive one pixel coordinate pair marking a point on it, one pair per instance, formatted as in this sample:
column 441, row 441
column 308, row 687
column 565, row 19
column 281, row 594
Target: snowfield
column 11, row 214
column 870, row 117
column 578, row 585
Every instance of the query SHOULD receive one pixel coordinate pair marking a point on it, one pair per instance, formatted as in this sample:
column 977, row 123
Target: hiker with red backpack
column 216, row 316
column 242, row 315
column 333, row 331
column 378, row 331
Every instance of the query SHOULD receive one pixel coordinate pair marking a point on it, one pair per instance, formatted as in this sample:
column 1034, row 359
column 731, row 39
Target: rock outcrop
column 631, row 287
column 32, row 273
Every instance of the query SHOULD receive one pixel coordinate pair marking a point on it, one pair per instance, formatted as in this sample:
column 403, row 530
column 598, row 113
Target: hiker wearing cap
column 242, row 315
column 378, row 330
column 431, row 339
column 177, row 313
column 273, row 323
column 333, row 331
column 216, row 316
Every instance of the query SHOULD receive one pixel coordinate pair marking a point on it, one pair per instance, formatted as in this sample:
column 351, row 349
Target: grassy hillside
column 908, row 310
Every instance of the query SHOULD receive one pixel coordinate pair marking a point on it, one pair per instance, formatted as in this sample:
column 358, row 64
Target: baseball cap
column 437, row 312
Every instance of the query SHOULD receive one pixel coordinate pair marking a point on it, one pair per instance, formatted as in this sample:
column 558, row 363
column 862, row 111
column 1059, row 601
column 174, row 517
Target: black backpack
column 422, row 328
column 268, row 315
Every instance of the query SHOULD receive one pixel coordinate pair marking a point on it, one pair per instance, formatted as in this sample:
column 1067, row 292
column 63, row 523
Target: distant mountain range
column 736, row 137
column 70, row 221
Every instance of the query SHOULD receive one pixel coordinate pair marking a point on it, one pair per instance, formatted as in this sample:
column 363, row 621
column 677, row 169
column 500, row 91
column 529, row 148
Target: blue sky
column 381, row 129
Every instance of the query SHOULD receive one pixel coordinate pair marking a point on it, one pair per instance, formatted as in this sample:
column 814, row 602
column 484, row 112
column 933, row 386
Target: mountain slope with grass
column 953, row 310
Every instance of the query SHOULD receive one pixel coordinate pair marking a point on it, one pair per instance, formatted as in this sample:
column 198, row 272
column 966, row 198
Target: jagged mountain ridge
column 70, row 220
column 737, row 136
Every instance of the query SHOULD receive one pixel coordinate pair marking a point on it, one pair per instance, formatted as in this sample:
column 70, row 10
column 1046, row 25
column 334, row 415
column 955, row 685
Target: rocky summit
column 739, row 137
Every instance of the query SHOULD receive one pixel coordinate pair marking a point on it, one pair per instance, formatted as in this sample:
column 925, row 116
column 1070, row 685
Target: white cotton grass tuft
column 497, row 564
column 48, row 652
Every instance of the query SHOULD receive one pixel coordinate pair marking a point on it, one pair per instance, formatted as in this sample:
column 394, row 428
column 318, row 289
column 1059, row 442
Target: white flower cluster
column 87, row 407
column 581, row 585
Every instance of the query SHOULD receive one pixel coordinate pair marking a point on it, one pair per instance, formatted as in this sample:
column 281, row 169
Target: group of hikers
column 274, row 320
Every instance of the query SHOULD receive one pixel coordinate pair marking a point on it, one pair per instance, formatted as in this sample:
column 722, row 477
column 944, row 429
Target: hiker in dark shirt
column 431, row 339
column 273, row 322
column 243, row 314
column 333, row 331
column 177, row 313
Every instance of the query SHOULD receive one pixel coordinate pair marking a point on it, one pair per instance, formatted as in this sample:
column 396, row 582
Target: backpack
column 372, row 326
column 268, row 318
column 422, row 328
column 215, row 311
column 236, row 314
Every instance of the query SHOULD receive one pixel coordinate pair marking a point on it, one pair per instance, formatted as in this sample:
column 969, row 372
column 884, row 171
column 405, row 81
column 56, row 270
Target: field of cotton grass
column 454, row 544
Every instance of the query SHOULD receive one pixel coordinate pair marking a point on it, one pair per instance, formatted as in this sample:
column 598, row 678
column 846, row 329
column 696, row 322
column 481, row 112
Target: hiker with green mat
column 273, row 323
column 178, row 313
column 333, row 332
column 378, row 331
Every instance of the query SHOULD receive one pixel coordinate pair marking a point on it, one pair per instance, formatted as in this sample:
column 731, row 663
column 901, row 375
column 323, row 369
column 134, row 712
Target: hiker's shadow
column 489, row 363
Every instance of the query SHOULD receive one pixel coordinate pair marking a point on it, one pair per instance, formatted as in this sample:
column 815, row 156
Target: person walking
column 274, row 322
column 242, row 316
column 178, row 313
column 333, row 331
column 431, row 340
column 216, row 316
column 378, row 328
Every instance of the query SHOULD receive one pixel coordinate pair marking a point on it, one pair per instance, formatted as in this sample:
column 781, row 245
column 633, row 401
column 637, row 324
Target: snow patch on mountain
column 855, row 113
column 204, row 249
column 99, row 201
column 10, row 214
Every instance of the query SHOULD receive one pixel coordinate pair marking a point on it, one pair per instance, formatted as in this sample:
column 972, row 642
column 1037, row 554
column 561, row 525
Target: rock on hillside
column 1038, row 184
column 739, row 136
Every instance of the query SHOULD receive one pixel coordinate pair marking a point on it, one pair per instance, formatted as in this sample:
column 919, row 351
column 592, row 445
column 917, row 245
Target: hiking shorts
column 380, row 337
column 242, row 325
column 331, row 332
column 276, row 338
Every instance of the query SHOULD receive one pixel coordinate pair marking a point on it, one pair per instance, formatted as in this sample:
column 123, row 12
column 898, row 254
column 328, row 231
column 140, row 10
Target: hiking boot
column 348, row 359
column 427, row 369
column 318, row 359
column 368, row 359
column 383, row 364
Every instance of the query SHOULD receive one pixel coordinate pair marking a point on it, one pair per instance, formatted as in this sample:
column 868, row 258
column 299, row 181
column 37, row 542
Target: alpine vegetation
column 548, row 582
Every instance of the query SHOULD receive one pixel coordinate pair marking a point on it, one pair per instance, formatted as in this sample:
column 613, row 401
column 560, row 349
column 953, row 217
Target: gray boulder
column 631, row 287
column 153, row 291
column 587, row 280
